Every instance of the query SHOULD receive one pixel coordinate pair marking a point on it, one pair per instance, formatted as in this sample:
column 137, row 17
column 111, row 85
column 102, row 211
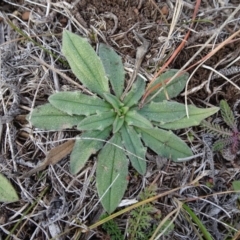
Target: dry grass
column 56, row 205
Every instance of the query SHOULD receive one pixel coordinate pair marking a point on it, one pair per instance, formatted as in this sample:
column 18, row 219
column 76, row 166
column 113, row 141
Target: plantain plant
column 114, row 129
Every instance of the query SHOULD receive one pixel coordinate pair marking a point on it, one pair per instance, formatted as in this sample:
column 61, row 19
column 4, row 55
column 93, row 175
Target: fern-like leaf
column 216, row 129
column 140, row 219
column 112, row 229
column 227, row 114
column 219, row 145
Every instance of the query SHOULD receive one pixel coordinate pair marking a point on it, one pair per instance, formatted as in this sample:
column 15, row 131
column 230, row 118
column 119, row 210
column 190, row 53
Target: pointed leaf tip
column 113, row 66
column 196, row 115
column 84, row 62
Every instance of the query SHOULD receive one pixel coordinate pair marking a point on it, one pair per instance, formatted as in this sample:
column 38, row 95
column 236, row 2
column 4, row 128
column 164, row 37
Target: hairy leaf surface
column 135, row 149
column 196, row 115
column 48, row 117
column 136, row 92
column 172, row 89
column 97, row 121
column 78, row 103
column 165, row 143
column 227, row 114
column 84, row 62
column 86, row 145
column 7, row 192
column 135, row 119
column 113, row 67
column 118, row 122
column 163, row 112
column 113, row 100
column 111, row 173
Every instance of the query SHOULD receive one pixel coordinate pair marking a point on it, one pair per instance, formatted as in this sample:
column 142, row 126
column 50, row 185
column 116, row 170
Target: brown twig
column 176, row 52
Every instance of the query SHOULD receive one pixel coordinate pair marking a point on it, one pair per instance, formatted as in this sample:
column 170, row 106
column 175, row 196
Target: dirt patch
column 129, row 16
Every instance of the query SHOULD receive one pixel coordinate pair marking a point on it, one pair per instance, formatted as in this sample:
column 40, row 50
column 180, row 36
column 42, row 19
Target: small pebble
column 165, row 10
column 25, row 16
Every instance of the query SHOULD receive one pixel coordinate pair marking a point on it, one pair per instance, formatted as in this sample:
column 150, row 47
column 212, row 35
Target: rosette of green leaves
column 117, row 131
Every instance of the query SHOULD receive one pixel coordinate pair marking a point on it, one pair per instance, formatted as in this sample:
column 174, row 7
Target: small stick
column 141, row 51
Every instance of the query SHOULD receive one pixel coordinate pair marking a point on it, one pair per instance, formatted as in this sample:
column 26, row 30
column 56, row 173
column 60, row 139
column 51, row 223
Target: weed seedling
column 114, row 128
column 228, row 142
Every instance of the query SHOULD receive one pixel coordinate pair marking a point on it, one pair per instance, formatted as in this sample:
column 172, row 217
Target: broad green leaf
column 163, row 112
column 84, row 62
column 135, row 119
column 118, row 122
column 136, row 92
column 113, row 67
column 78, row 103
column 172, row 89
column 135, row 149
column 165, row 143
column 113, row 100
column 48, row 117
column 111, row 173
column 7, row 192
column 97, row 121
column 86, row 145
column 196, row 115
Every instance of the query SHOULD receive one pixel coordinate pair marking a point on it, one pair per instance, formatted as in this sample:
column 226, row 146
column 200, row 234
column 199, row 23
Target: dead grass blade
column 175, row 53
column 53, row 157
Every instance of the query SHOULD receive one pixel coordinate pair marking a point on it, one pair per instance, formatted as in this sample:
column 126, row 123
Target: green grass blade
column 197, row 221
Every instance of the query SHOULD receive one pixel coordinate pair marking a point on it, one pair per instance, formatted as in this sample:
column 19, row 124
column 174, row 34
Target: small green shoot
column 228, row 142
column 114, row 129
column 144, row 220
column 112, row 229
